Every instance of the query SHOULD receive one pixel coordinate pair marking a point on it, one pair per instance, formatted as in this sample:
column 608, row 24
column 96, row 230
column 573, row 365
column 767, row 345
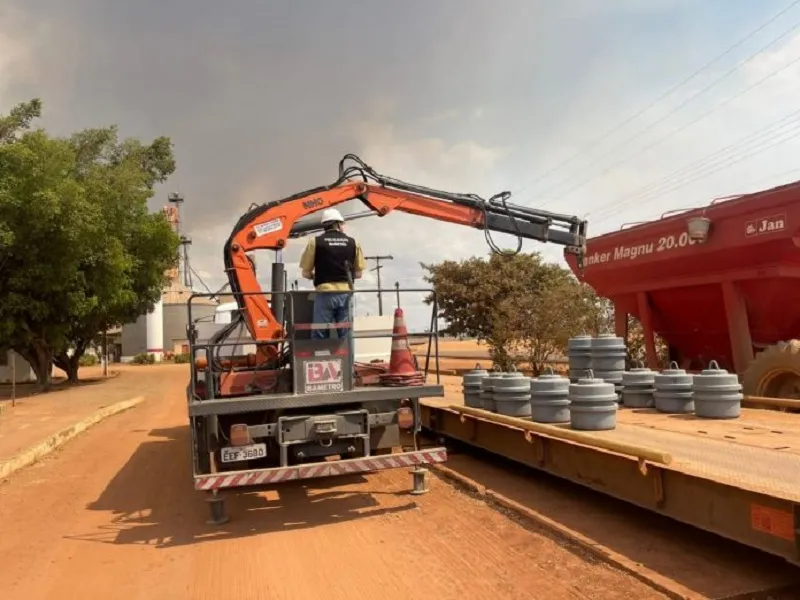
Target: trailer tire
column 775, row 372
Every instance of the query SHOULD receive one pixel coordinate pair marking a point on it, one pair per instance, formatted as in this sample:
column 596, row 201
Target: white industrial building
column 164, row 329
column 13, row 365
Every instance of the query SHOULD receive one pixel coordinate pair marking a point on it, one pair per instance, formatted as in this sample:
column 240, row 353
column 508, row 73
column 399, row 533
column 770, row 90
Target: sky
column 263, row 98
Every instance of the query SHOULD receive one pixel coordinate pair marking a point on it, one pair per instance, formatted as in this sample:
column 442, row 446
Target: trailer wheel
column 775, row 372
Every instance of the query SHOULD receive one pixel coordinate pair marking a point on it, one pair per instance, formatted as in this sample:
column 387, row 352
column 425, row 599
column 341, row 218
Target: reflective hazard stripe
column 233, row 479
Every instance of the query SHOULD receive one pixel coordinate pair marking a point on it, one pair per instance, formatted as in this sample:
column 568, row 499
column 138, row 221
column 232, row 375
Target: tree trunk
column 104, row 357
column 40, row 357
column 68, row 364
column 500, row 356
column 71, row 364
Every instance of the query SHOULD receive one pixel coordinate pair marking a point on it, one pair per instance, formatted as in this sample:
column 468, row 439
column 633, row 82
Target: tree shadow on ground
column 59, row 384
column 152, row 501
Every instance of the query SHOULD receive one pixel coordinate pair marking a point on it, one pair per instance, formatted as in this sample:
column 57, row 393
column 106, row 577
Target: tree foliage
column 636, row 351
column 19, row 120
column 558, row 307
column 79, row 250
column 469, row 294
column 519, row 305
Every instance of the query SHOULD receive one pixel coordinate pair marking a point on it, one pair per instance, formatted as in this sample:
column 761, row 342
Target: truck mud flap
column 231, row 479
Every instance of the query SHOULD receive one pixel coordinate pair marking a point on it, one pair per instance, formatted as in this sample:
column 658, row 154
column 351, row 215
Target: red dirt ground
column 113, row 515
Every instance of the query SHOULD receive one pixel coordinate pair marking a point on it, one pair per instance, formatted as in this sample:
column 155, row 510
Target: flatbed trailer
column 738, row 479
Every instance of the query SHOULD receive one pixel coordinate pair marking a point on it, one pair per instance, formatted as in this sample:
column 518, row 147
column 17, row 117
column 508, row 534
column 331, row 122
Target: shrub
column 143, row 358
column 88, row 360
column 181, row 358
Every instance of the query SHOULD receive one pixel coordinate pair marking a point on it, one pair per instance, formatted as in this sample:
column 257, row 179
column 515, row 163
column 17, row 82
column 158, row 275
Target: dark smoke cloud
column 263, row 98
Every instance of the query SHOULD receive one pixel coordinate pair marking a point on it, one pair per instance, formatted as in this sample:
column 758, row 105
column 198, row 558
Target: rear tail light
column 240, row 435
column 405, row 418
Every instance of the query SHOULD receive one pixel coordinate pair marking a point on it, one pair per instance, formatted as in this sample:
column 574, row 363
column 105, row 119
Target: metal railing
column 211, row 347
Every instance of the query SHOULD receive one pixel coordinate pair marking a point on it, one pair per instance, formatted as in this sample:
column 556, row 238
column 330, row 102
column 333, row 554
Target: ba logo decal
column 324, row 376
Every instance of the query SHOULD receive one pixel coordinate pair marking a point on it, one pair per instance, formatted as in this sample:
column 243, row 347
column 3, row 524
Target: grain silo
column 174, row 319
column 163, row 330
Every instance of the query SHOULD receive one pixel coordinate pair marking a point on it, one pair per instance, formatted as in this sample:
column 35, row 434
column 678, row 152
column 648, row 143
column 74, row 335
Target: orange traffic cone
column 401, row 361
column 402, row 366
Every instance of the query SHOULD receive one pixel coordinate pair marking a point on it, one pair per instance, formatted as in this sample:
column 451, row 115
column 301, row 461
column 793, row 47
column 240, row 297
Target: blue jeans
column 331, row 308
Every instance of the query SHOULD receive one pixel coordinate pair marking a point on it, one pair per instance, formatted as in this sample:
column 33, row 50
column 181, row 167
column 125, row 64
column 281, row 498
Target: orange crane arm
column 270, row 225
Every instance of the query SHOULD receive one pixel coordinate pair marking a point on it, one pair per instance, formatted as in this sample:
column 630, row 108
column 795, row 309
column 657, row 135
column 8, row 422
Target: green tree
column 518, row 304
column 470, row 293
column 48, row 224
column 559, row 308
column 124, row 271
column 637, row 353
column 19, row 120
column 78, row 249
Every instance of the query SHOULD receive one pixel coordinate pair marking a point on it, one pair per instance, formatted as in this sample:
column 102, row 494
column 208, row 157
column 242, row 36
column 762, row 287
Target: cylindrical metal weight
column 593, row 405
column 579, row 356
column 673, row 390
column 717, row 393
column 471, row 385
column 550, row 398
column 485, row 395
column 512, row 395
column 608, row 354
column 487, row 389
column 638, row 387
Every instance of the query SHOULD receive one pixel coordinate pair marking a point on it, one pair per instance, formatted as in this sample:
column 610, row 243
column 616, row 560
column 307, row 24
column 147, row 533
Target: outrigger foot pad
column 216, row 504
column 418, row 477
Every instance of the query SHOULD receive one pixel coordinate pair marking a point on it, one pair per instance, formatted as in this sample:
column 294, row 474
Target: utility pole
column 105, row 351
column 13, row 356
column 377, row 269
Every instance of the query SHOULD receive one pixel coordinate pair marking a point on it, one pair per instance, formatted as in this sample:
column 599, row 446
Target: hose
column 363, row 171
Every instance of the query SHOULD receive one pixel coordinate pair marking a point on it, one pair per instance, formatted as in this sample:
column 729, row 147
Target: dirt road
column 114, row 515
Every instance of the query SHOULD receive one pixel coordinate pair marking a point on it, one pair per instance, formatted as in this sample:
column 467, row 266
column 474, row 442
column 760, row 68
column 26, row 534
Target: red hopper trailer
column 720, row 282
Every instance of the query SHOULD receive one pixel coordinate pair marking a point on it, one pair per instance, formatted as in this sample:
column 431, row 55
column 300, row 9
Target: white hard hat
column 331, row 215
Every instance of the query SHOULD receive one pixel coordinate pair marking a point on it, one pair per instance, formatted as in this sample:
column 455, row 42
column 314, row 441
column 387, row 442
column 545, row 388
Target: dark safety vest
column 334, row 256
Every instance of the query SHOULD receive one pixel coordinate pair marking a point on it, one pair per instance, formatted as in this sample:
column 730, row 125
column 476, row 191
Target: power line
column 667, row 136
column 664, row 138
column 762, row 180
column 778, row 126
column 719, row 168
column 200, row 279
column 716, row 170
column 776, row 189
column 669, row 92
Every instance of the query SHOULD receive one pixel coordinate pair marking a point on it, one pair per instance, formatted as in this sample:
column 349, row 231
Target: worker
column 332, row 260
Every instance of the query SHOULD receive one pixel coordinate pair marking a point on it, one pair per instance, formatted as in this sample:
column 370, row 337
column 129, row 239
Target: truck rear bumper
column 231, row 479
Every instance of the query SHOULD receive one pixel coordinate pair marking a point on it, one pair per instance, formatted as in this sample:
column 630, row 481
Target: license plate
column 239, row 453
